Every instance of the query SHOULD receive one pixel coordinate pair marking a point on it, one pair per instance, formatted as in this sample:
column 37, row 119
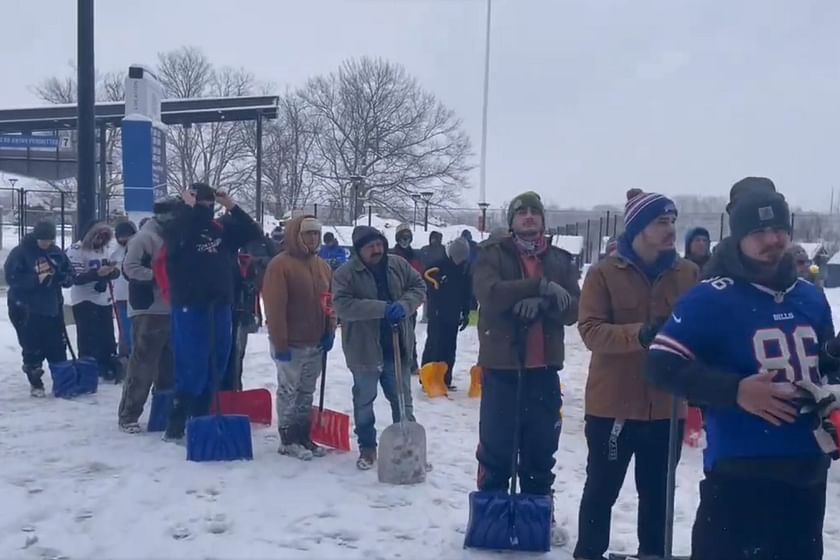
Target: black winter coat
column 34, row 294
column 448, row 290
column 202, row 254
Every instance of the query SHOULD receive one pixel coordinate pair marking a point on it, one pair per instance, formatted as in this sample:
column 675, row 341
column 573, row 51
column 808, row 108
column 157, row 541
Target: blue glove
column 394, row 313
column 327, row 342
column 283, row 356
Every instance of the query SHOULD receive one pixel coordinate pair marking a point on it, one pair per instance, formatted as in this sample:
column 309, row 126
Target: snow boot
column 367, row 458
column 130, row 427
column 176, row 426
column 37, row 392
column 34, row 373
column 291, row 445
column 306, row 440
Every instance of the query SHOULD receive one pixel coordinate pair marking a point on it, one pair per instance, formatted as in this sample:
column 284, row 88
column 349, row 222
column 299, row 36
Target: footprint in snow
column 180, row 532
column 217, row 524
column 83, row 515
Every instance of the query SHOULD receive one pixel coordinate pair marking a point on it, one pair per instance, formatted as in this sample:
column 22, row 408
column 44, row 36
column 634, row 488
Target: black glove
column 465, row 321
column 648, row 331
column 529, row 308
column 101, row 286
column 832, row 348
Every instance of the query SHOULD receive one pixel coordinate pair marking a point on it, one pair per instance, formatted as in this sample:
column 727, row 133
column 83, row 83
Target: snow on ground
column 73, row 486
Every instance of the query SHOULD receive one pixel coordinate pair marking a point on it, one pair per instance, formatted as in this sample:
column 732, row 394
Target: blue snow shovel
column 218, row 437
column 73, row 377
column 501, row 520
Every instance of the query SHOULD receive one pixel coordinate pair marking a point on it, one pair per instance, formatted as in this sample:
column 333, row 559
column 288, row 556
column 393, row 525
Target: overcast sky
column 588, row 97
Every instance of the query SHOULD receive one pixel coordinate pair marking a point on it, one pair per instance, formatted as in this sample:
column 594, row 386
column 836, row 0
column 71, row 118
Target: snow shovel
column 432, row 377
column 674, row 445
column 218, row 437
column 329, row 427
column 693, row 435
column 501, row 520
column 475, row 383
column 75, row 376
column 253, row 403
column 402, row 447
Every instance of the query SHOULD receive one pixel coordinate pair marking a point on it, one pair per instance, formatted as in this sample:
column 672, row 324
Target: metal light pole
column 12, row 181
column 416, row 198
column 86, row 175
column 356, row 181
column 427, row 197
column 482, row 189
column 483, row 206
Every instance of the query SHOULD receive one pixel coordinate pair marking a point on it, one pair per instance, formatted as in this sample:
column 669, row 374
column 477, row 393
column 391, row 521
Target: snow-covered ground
column 73, row 486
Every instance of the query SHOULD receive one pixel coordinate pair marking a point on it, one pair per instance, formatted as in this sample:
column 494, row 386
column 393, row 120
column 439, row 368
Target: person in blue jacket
column 35, row 271
column 332, row 252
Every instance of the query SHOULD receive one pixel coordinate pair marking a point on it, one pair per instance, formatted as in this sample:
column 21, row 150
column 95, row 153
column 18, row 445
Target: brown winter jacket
column 499, row 283
column 293, row 287
column 616, row 301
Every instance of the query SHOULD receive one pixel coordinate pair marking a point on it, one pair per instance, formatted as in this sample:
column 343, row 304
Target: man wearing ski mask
column 202, row 252
column 404, row 237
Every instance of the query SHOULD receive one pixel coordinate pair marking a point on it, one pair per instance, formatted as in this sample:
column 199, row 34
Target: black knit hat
column 362, row 235
column 44, row 231
column 749, row 185
column 124, row 229
column 758, row 210
column 204, row 192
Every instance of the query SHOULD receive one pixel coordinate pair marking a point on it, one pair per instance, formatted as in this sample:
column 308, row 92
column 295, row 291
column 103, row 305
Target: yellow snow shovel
column 475, row 382
column 432, row 378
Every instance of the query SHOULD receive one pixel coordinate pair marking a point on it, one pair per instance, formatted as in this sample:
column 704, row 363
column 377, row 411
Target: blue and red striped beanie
column 643, row 208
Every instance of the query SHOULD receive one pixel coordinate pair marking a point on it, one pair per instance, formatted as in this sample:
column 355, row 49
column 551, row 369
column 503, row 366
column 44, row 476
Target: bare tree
column 375, row 121
column 213, row 153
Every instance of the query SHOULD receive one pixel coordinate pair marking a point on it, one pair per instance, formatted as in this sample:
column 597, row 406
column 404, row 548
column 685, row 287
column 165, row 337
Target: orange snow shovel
column 432, row 377
column 475, row 382
column 329, row 427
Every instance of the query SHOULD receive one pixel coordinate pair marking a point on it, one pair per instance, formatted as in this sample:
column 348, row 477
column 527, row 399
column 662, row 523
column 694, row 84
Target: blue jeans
column 364, row 394
column 191, row 347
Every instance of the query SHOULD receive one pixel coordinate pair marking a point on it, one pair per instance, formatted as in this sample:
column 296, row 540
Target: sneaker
column 130, row 427
column 366, row 460
column 37, row 392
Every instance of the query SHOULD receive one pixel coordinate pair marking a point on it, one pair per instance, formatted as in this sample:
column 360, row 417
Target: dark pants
column 150, row 363
column 754, row 519
column 233, row 373
column 539, row 432
column 441, row 344
column 199, row 361
column 40, row 338
column 125, row 334
column 95, row 335
column 611, row 445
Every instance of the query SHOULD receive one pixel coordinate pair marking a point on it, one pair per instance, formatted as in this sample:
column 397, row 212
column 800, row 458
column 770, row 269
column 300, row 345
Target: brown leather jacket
column 616, row 301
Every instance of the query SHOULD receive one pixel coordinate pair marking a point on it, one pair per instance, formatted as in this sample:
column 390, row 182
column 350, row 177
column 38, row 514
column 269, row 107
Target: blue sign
column 144, row 164
column 20, row 141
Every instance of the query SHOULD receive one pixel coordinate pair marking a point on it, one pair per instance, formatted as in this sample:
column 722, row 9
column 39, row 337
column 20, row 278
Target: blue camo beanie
column 643, row 208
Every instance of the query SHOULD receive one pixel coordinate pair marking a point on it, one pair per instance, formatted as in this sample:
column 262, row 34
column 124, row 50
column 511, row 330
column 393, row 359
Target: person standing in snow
column 466, row 235
column 697, row 246
column 527, row 294
column 449, row 294
column 372, row 294
column 123, row 231
column 91, row 299
column 404, row 237
column 36, row 271
column 150, row 362
column 753, row 344
column 331, row 252
column 625, row 300
column 301, row 329
column 201, row 255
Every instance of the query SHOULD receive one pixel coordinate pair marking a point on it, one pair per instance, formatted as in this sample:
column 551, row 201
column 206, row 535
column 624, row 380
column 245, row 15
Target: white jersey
column 120, row 284
column 83, row 261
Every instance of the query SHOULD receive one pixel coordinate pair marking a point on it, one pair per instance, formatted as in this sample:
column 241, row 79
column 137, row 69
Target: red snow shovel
column 329, row 427
column 253, row 403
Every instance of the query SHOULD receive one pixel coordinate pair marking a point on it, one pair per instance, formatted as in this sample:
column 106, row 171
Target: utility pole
column 482, row 189
column 86, row 175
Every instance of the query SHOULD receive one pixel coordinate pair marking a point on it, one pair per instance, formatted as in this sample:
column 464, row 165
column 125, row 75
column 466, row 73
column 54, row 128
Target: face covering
column 205, row 213
column 404, row 242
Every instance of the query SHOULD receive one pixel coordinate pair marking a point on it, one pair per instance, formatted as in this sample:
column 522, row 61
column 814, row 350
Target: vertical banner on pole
column 144, row 143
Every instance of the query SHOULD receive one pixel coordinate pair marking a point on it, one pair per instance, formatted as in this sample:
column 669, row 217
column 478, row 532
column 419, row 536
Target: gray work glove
column 822, row 401
column 556, row 292
column 529, row 309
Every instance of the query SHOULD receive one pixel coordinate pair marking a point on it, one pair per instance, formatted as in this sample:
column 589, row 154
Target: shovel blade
column 402, row 454
column 475, row 382
column 330, row 428
column 499, row 521
column 253, row 403
column 432, row 377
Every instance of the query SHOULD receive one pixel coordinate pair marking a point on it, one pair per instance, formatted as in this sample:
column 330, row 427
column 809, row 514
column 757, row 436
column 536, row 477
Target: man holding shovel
column 300, row 330
column 372, row 293
column 522, row 280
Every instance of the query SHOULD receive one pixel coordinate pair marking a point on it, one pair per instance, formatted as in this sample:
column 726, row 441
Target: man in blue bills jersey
column 740, row 344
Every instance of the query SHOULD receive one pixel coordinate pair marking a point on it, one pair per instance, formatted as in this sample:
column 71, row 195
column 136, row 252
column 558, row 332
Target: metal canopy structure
column 184, row 112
